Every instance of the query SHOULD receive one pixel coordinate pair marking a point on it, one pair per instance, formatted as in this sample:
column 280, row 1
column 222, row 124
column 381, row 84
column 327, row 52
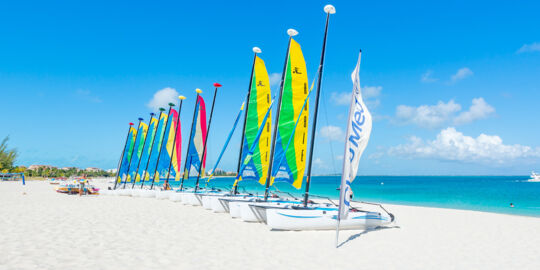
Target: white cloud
column 533, row 47
column 435, row 116
column 461, row 74
column 162, row 97
column 371, row 91
column 275, row 79
column 333, row 133
column 452, row 145
column 319, row 163
column 427, row 116
column 370, row 95
column 88, row 96
column 342, row 98
column 478, row 110
column 427, row 78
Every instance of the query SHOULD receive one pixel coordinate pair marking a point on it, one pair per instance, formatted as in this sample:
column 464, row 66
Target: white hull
column 148, row 193
column 163, row 194
column 249, row 213
column 319, row 219
column 175, row 196
column 256, row 211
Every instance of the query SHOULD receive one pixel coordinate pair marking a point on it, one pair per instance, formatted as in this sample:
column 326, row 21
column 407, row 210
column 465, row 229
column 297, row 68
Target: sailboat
column 196, row 153
column 345, row 216
column 253, row 157
column 289, row 142
column 256, row 162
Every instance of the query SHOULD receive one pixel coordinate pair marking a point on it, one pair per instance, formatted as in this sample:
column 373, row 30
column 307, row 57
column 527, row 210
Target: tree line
column 7, row 165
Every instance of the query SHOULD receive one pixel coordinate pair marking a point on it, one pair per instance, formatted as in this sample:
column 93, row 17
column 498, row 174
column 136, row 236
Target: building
column 70, row 168
column 37, row 167
column 92, row 169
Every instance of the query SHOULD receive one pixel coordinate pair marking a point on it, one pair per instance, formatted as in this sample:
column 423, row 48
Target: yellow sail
column 295, row 91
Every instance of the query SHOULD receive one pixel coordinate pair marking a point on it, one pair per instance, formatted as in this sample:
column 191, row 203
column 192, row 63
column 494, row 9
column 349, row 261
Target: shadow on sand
column 354, row 236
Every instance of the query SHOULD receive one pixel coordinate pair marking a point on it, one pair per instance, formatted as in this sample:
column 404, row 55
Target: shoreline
column 43, row 229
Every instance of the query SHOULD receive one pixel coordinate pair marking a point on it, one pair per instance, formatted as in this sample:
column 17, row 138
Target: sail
column 147, row 149
column 156, row 146
column 226, row 144
column 358, row 132
column 249, row 154
column 168, row 157
column 130, row 144
column 136, row 157
column 295, row 92
column 198, row 134
column 259, row 101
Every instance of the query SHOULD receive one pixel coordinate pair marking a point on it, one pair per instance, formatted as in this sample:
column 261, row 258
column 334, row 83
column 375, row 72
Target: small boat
column 535, row 177
column 323, row 218
column 75, row 188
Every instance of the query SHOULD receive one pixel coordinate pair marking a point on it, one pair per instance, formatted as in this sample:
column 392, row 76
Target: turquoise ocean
column 479, row 193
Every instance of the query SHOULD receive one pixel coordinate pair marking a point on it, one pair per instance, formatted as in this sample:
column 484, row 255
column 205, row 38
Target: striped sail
column 147, row 149
column 167, row 155
column 127, row 154
column 156, row 146
column 136, row 157
column 259, row 101
column 295, row 92
column 198, row 134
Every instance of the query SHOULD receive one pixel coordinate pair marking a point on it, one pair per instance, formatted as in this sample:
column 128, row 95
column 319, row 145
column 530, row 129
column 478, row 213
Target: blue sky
column 453, row 87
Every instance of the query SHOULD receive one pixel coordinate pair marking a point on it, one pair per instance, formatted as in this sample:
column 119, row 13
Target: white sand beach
column 41, row 229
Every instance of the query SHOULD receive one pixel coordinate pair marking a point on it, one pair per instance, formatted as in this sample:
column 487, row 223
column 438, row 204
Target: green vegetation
column 7, row 164
column 7, row 156
column 55, row 172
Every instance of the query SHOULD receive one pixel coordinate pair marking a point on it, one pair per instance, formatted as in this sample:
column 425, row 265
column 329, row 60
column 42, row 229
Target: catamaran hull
column 206, row 199
column 256, row 212
column 148, row 193
column 250, row 213
column 219, row 205
column 314, row 219
column 163, row 194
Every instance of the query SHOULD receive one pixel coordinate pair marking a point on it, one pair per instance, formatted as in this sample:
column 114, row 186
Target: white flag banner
column 358, row 131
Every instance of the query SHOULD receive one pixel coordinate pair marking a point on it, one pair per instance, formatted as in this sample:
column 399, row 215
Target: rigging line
column 327, row 124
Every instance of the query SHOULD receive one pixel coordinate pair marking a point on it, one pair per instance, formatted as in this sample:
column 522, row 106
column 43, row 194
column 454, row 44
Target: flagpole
column 131, row 156
column 122, row 157
column 174, row 140
column 171, row 105
column 205, row 143
column 329, row 9
column 161, row 110
column 291, row 33
column 256, row 50
column 144, row 146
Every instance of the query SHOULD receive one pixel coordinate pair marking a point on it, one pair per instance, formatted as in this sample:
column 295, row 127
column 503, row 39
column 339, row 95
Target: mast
column 171, row 105
column 174, row 141
column 144, row 146
column 256, row 50
column 131, row 156
column 185, row 173
column 291, row 33
column 205, row 143
column 161, row 110
column 122, row 157
column 329, row 9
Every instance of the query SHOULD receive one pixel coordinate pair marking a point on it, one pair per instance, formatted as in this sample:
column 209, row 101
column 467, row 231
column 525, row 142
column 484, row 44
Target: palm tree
column 7, row 156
